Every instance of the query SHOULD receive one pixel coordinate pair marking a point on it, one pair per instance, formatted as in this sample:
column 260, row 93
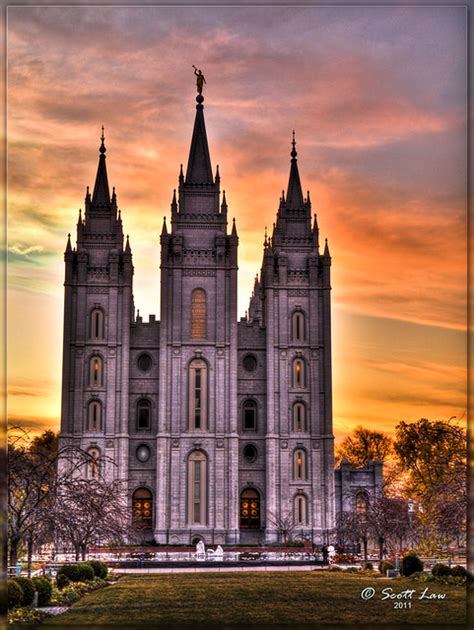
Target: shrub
column 15, row 594
column 86, row 572
column 27, row 616
column 66, row 597
column 368, row 566
column 411, row 564
column 71, row 571
column 440, row 570
column 100, row 569
column 44, row 589
column 351, row 570
column 459, row 571
column 28, row 590
column 335, row 569
column 62, row 580
column 98, row 582
column 384, row 566
column 343, row 558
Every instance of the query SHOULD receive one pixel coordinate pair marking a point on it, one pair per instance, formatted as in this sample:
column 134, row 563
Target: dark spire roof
column 101, row 195
column 294, row 196
column 199, row 169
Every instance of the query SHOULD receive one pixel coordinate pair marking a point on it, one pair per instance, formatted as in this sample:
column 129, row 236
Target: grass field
column 309, row 597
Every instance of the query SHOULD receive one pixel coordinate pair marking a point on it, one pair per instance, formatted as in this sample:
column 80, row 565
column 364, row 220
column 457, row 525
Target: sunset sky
column 378, row 99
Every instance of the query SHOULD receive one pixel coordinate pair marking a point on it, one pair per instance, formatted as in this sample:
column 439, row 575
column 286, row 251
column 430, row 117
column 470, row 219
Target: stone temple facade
column 220, row 428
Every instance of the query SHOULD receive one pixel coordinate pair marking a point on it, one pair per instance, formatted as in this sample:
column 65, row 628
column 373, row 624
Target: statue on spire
column 200, row 80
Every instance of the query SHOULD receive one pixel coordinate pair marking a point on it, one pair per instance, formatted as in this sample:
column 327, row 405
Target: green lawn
column 305, row 597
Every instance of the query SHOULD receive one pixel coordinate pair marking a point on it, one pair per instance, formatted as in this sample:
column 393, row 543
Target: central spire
column 101, row 195
column 199, row 169
column 294, row 196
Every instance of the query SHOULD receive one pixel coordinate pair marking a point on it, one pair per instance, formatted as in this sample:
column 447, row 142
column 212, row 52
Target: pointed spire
column 217, row 178
column 234, row 228
column 114, row 196
column 127, row 246
column 181, row 175
column 79, row 220
column 294, row 196
column 164, row 230
column 68, row 246
column 199, row 169
column 174, row 203
column 326, row 250
column 120, row 215
column 101, row 196
column 265, row 242
column 224, row 201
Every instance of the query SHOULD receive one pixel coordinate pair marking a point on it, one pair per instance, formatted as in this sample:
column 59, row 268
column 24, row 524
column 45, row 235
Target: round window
column 143, row 453
column 144, row 362
column 250, row 363
column 250, row 453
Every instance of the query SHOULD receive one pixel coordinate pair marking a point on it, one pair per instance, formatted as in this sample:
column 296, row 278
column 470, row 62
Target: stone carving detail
column 284, row 444
column 220, row 444
column 199, row 272
column 175, row 443
column 297, row 292
column 109, row 444
column 97, row 290
column 316, row 444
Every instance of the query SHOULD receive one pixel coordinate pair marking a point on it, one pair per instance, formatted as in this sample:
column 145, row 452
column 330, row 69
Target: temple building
column 220, row 428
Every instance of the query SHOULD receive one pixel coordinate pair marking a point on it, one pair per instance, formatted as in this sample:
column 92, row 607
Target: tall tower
column 98, row 308
column 197, row 442
column 292, row 301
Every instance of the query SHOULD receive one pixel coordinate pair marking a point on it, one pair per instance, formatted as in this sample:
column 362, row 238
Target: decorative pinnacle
column 102, row 145
column 293, row 144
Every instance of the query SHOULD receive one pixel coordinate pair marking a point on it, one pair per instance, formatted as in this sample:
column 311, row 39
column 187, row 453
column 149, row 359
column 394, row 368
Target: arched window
column 361, row 502
column 97, row 324
column 299, row 417
column 198, row 314
column 142, row 506
column 299, row 465
column 197, row 488
column 299, row 376
column 143, row 415
column 250, row 509
column 197, row 395
column 94, row 416
column 300, row 510
column 298, row 326
column 93, row 464
column 249, row 415
column 95, row 371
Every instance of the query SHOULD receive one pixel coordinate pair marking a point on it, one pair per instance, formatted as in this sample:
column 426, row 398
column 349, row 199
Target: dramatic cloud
column 379, row 108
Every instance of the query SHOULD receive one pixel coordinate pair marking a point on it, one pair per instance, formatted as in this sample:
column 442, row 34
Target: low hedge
column 81, row 572
column 15, row 594
column 440, row 570
column 62, row 580
column 411, row 564
column 458, row 571
column 44, row 588
column 28, row 589
column 385, row 566
column 99, row 568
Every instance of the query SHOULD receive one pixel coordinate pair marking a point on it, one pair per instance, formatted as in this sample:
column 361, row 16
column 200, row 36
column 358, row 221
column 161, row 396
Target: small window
column 198, row 395
column 197, row 488
column 362, row 502
column 299, row 417
column 299, row 465
column 250, row 453
column 249, row 363
column 143, row 415
column 95, row 371
column 143, row 453
column 298, row 331
column 92, row 467
column 198, row 314
column 94, row 416
column 300, row 510
column 97, row 324
column 144, row 362
column 249, row 413
column 298, row 373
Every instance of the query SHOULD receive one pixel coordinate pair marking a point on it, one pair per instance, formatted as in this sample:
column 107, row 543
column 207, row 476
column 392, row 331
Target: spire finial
column 102, row 145
column 265, row 242
column 293, row 145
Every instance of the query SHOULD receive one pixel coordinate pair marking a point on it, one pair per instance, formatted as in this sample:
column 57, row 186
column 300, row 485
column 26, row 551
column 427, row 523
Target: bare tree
column 285, row 523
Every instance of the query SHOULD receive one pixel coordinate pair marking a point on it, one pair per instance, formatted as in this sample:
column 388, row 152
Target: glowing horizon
column 380, row 116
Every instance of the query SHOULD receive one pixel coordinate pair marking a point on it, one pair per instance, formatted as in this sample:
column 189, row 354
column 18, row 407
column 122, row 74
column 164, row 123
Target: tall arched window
column 249, row 415
column 250, row 509
column 299, row 417
column 300, row 510
column 93, row 464
column 94, row 416
column 97, row 324
column 197, row 488
column 298, row 325
column 197, row 395
column 95, row 371
column 299, row 465
column 143, row 415
column 361, row 502
column 299, row 376
column 198, row 314
column 142, row 506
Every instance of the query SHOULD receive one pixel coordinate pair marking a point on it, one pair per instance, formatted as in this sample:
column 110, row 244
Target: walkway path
column 145, row 570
